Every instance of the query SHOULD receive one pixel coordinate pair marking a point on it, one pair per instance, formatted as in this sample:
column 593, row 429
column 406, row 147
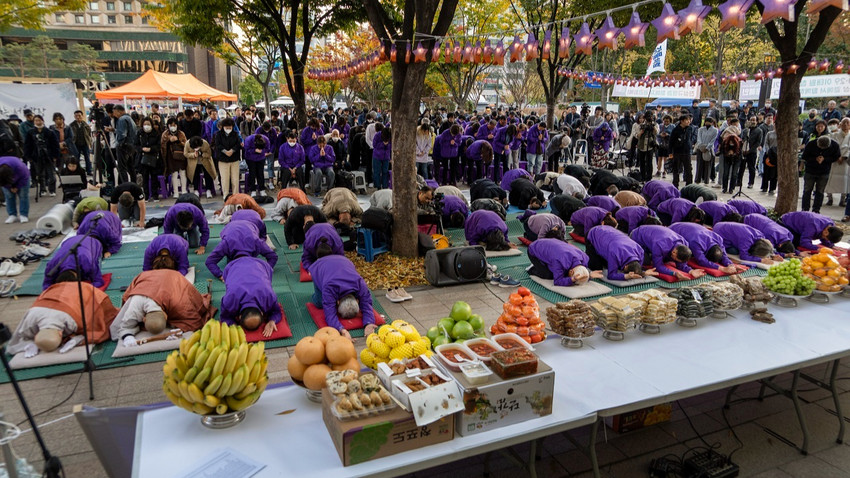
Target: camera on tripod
column 438, row 202
column 97, row 113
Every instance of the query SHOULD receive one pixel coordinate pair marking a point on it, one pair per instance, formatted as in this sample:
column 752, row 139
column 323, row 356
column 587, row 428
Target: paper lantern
column 435, row 52
column 693, row 17
column 467, row 53
column 758, row 76
column 477, row 52
column 813, row 63
column 839, row 67
column 779, row 71
column 776, row 9
column 546, row 50
column 419, row 53
column 499, row 53
column 817, row 5
column 564, row 43
column 667, row 24
column 792, row 69
column 515, row 49
column 733, row 14
column 457, row 53
column 408, row 55
column 487, row 52
column 393, row 54
column 712, row 81
column 448, row 57
column 531, row 48
column 823, row 66
column 743, row 76
column 607, row 34
column 634, row 32
column 584, row 40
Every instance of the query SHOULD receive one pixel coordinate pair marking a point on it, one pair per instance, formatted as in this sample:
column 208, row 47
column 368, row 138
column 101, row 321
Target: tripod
column 52, row 465
column 89, row 365
column 741, row 193
column 108, row 164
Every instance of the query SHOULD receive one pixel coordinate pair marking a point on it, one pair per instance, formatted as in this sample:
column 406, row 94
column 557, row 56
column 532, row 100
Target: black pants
column 499, row 159
column 150, row 176
column 45, row 172
column 645, row 163
column 814, row 183
column 750, row 164
column 553, row 161
column 475, row 170
column 705, row 166
column 768, row 179
column 286, row 176
column 682, row 162
column 665, row 218
column 528, row 233
column 449, row 170
column 256, row 176
column 126, row 163
column 596, row 262
column 540, row 269
column 368, row 166
column 578, row 229
column 209, row 182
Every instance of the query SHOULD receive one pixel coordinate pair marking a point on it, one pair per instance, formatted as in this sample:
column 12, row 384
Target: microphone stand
column 89, row 365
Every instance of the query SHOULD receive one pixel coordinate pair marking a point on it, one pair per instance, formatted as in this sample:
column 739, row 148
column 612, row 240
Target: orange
column 820, row 272
column 314, row 376
column 821, row 257
column 340, row 350
column 843, row 281
column 817, row 265
column 806, row 269
column 296, row 368
column 310, row 350
column 326, row 333
column 827, row 281
column 833, row 273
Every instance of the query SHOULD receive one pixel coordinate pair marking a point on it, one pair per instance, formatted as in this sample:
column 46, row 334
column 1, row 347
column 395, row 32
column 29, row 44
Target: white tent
column 283, row 101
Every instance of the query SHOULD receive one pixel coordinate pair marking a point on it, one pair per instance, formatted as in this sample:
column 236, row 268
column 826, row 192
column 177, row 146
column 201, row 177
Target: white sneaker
column 23, row 219
column 125, row 222
column 4, row 267
column 253, row 194
column 11, row 219
column 53, row 195
column 176, row 195
column 209, row 194
column 15, row 268
column 263, row 193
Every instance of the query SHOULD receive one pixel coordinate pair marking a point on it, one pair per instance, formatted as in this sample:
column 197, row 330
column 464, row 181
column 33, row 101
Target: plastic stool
column 164, row 187
column 492, row 168
column 359, row 181
column 523, row 165
column 367, row 244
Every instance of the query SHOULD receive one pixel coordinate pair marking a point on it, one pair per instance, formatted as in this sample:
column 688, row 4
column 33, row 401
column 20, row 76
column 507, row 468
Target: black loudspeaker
column 455, row 265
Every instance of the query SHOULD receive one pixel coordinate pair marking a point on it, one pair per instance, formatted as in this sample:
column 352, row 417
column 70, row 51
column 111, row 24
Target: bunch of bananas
column 398, row 340
column 216, row 371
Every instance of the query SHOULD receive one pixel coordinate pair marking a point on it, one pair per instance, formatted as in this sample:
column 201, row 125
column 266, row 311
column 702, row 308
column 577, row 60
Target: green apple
column 433, row 333
column 462, row 330
column 440, row 340
column 477, row 322
column 445, row 325
column 461, row 311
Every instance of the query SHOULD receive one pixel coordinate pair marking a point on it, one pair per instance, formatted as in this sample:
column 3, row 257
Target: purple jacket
column 559, row 257
column 512, row 174
column 716, row 210
column 616, row 248
column 177, row 247
column 542, row 223
column 533, row 144
column 605, row 202
column 290, row 156
column 809, row 226
column 448, row 150
column 253, row 217
column 106, row 229
column 660, row 242
column 239, row 239
column 307, row 136
column 326, row 161
column 453, row 204
column 473, row 152
column 501, row 140
column 588, row 217
column 248, row 283
column 633, row 215
column 485, row 131
column 336, row 277
column 312, row 239
column 746, row 207
column 200, row 221
column 89, row 252
column 250, row 151
column 602, row 136
column 20, row 172
column 700, row 240
column 343, row 130
column 739, row 236
column 383, row 150
column 657, row 191
column 677, row 208
column 270, row 135
column 480, row 223
column 772, row 231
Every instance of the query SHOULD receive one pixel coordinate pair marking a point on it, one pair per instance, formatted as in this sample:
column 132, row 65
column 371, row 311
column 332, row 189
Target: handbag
column 149, row 160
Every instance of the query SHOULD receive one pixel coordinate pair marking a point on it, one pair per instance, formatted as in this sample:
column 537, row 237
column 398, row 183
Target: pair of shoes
column 657, row 174
column 393, row 296
column 503, row 280
column 10, row 268
column 23, row 219
column 176, row 195
column 492, row 267
column 126, row 223
column 845, row 219
column 749, row 186
column 7, row 287
column 12, row 219
column 724, row 192
column 209, row 194
column 772, row 193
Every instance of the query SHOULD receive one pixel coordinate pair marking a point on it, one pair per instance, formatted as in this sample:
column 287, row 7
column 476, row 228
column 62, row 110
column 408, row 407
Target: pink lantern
column 817, row 5
column 792, row 69
column 393, row 53
column 693, row 17
column 712, row 81
column 776, row 9
column 607, row 34
column 408, row 56
column 824, row 65
column 635, row 31
column 435, row 52
column 779, row 71
column 758, row 76
column 467, row 53
column 770, row 74
column 667, row 24
column 839, row 67
column 457, row 53
column 546, row 51
column 813, row 63
column 531, row 48
column 515, row 49
column 743, row 76
column 564, row 43
column 584, row 40
column 487, row 52
column 733, row 14
column 499, row 54
column 477, row 52
column 419, row 53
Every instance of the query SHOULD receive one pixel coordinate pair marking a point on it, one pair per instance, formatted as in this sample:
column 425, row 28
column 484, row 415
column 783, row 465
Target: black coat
column 225, row 143
column 523, row 191
column 564, row 205
column 486, row 188
column 293, row 228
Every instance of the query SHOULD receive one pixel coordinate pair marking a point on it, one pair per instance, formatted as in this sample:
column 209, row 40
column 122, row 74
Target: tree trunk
column 787, row 145
column 550, row 111
column 405, row 109
column 267, row 107
column 299, row 95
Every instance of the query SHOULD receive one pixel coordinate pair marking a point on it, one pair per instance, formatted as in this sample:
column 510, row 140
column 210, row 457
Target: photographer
column 125, row 138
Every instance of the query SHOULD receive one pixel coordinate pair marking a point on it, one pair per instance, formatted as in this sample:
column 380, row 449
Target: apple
column 462, row 330
column 477, row 322
column 445, row 325
column 433, row 333
column 441, row 340
column 461, row 311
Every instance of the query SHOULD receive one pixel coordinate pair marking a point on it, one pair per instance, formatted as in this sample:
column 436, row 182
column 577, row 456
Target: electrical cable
column 79, row 377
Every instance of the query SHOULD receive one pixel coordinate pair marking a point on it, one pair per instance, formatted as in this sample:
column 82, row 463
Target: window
column 94, row 6
column 110, row 19
column 144, row 20
column 128, row 6
column 60, row 18
column 95, row 19
column 128, row 19
column 110, row 6
column 79, row 19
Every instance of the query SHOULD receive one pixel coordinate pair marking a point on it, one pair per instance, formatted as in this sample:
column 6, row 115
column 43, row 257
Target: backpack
column 730, row 147
column 378, row 219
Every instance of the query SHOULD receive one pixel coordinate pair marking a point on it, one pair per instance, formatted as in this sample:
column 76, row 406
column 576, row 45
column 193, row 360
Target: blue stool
column 367, row 244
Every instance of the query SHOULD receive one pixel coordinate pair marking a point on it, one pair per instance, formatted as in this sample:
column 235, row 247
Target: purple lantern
column 693, row 17
column 584, row 40
column 608, row 34
column 776, row 9
column 634, row 31
column 564, row 43
column 818, row 5
column 667, row 24
column 734, row 14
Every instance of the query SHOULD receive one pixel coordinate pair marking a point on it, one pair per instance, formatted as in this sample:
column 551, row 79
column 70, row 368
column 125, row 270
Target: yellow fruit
column 339, row 350
column 352, row 364
column 843, row 281
column 817, row 264
column 418, row 348
column 310, row 350
column 296, row 368
column 397, row 324
column 401, row 352
column 827, row 281
column 368, row 358
column 409, row 332
column 394, row 338
column 820, row 272
column 384, row 330
column 380, row 349
column 426, row 342
column 314, row 376
column 371, row 338
column 833, row 273
column 326, row 333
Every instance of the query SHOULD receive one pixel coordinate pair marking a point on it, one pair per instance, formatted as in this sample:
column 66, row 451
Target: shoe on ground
column 4, row 267
column 11, row 219
column 53, row 195
column 126, row 222
column 262, row 193
column 253, row 194
column 403, row 294
column 209, row 194
column 15, row 268
column 393, row 296
column 7, row 287
column 38, row 250
column 495, row 278
column 492, row 267
column 845, row 219
column 508, row 281
column 715, row 186
column 176, row 195
column 23, row 219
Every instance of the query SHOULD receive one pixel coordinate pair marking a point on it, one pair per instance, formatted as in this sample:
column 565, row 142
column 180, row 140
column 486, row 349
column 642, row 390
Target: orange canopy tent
column 155, row 85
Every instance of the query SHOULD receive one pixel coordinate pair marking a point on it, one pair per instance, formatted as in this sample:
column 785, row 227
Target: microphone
column 98, row 216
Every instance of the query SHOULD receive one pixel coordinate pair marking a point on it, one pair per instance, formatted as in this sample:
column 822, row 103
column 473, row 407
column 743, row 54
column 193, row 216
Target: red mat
column 577, row 238
column 803, row 249
column 304, row 276
column 715, row 272
column 107, row 278
column 524, row 240
column 282, row 331
column 669, row 278
column 318, row 316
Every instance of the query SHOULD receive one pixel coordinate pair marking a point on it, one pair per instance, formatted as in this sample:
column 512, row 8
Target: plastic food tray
column 446, row 348
column 484, row 358
column 514, row 336
column 512, row 369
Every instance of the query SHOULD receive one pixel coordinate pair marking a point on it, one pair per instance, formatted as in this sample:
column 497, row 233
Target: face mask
column 227, row 130
column 334, row 139
column 147, row 128
column 811, row 115
column 291, row 143
column 833, row 128
column 248, row 117
column 172, row 128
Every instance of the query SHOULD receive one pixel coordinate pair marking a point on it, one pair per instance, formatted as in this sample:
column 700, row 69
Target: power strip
column 710, row 464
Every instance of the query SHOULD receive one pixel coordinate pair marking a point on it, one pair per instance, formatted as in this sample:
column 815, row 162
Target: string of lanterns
column 669, row 25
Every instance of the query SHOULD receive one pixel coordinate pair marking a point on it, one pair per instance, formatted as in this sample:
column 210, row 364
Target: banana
column 201, row 409
column 225, row 336
column 249, row 389
column 241, row 333
column 225, row 386
column 211, row 401
column 240, row 379
column 215, row 332
column 202, row 377
column 219, row 364
column 214, row 385
column 234, row 336
column 180, row 361
column 255, row 372
column 191, row 374
column 193, row 351
column 262, row 384
column 211, row 345
column 194, row 339
column 205, row 336
column 175, row 399
column 183, row 388
column 221, row 409
column 171, row 359
column 243, row 355
column 167, row 369
column 253, row 355
column 261, row 348
column 185, row 404
column 201, row 358
column 231, row 361
column 212, row 358
column 236, row 404
column 171, row 384
column 183, row 347
column 195, row 393
column 264, row 367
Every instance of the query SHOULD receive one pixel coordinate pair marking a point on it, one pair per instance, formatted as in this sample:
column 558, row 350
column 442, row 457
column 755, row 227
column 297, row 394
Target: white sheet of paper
column 224, row 463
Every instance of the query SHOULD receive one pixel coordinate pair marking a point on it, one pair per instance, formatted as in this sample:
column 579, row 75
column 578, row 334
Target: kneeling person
column 249, row 299
column 89, row 253
column 706, row 246
column 341, row 292
column 565, row 264
column 168, row 251
column 189, row 222
column 612, row 249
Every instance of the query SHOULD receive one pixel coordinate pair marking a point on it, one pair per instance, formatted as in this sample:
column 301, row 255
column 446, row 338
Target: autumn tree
column 250, row 90
column 522, row 83
column 253, row 52
column 31, row 14
column 419, row 20
column 83, row 58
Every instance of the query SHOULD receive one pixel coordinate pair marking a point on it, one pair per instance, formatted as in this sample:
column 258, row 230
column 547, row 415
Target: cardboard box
column 626, row 422
column 499, row 403
column 432, row 403
column 365, row 439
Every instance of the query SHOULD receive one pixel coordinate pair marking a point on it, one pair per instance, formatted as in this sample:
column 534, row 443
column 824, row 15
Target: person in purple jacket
column 676, row 210
column 746, row 241
column 511, row 175
column 536, row 140
column 249, row 299
column 253, row 217
column 15, row 181
column 487, row 132
column 605, row 202
column 168, row 251
column 105, row 227
column 719, row 211
column 589, row 217
column 487, row 228
column 341, row 293
column 542, row 225
column 186, row 220
column 320, row 240
column 657, row 191
column 746, row 207
column 291, row 158
column 89, row 253
column 381, row 156
column 479, row 155
column 556, row 260
column 781, row 238
column 309, row 136
column 664, row 245
column 631, row 217
column 239, row 239
column 502, row 142
column 706, row 246
column 454, row 211
column 606, row 247
column 271, row 135
column 256, row 149
column 809, row 226
column 322, row 157
column 448, row 143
